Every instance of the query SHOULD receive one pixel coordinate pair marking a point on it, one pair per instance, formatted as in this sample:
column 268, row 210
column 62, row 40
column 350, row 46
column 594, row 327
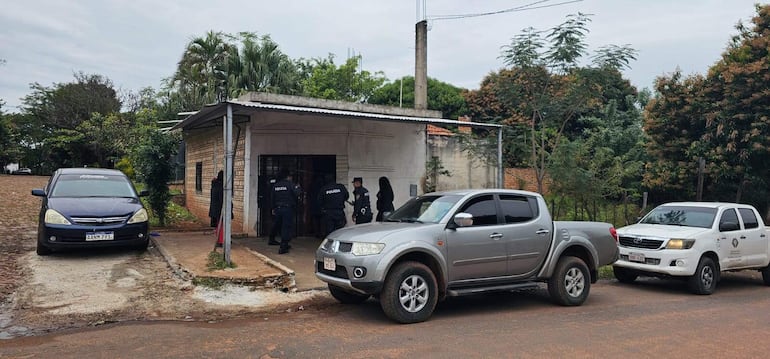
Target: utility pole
column 701, row 169
column 421, row 59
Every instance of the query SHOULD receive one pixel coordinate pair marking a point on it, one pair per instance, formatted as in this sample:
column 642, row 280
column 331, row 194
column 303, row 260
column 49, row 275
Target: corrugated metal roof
column 212, row 112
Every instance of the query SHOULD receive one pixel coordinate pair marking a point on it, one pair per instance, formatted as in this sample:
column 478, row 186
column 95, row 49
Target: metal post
column 228, row 184
column 500, row 172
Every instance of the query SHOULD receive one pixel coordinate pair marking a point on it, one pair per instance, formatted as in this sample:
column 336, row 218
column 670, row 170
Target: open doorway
column 308, row 171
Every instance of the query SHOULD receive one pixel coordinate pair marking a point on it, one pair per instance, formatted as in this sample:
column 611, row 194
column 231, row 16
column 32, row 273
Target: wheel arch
column 427, row 259
column 585, row 255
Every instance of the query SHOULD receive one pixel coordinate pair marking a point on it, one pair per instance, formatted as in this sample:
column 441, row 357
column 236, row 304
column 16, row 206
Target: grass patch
column 213, row 283
column 605, row 272
column 216, row 261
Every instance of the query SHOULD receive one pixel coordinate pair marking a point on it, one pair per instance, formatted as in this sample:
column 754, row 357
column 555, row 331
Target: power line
column 529, row 6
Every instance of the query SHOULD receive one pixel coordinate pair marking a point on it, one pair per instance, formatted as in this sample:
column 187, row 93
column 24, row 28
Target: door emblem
column 735, row 242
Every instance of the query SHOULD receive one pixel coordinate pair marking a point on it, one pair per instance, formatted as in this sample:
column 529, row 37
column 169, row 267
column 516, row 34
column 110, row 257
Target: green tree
column 152, row 162
column 346, row 82
column 442, row 96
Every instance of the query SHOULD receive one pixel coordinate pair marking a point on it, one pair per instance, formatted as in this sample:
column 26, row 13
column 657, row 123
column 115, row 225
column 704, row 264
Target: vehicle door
column 731, row 251
column 477, row 251
column 753, row 241
column 526, row 233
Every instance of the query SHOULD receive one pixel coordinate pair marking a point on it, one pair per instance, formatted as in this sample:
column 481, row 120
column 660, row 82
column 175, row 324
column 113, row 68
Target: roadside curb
column 177, row 268
column 287, row 280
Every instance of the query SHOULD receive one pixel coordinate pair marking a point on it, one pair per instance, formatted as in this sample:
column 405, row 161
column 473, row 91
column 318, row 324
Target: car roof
column 707, row 204
column 466, row 192
column 90, row 171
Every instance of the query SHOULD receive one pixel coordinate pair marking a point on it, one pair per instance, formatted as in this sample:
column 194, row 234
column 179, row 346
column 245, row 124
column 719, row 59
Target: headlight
column 366, row 249
column 53, row 217
column 139, row 217
column 677, row 243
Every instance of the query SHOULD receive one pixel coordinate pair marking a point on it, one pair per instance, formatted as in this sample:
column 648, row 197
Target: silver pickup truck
column 463, row 242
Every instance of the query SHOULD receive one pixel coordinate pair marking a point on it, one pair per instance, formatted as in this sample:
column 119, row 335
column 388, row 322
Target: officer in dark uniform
column 284, row 200
column 276, row 228
column 362, row 209
column 332, row 198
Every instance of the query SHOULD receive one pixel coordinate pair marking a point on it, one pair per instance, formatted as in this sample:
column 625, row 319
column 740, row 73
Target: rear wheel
column 624, row 275
column 409, row 293
column 42, row 250
column 704, row 281
column 766, row 275
column 346, row 297
column 570, row 283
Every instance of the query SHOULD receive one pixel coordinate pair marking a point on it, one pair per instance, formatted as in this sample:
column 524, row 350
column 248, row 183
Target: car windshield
column 73, row 185
column 681, row 216
column 424, row 209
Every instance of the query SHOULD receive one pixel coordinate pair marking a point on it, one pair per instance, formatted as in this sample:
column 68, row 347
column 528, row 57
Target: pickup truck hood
column 662, row 231
column 376, row 232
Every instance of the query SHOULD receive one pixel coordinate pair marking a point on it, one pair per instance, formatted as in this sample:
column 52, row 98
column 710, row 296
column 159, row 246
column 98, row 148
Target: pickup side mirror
column 463, row 219
column 144, row 193
column 729, row 226
column 38, row 192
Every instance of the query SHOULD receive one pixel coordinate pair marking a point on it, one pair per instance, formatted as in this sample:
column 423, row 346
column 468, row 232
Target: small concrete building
column 310, row 138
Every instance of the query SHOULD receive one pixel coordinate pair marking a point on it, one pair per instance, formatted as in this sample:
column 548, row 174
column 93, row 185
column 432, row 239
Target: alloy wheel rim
column 413, row 293
column 707, row 276
column 574, row 282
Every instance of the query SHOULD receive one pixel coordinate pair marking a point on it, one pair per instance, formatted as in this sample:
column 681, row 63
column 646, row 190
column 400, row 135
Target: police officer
column 284, row 200
column 362, row 209
column 332, row 198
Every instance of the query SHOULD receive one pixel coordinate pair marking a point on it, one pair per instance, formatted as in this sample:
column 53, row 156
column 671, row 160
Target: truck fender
column 562, row 246
column 404, row 249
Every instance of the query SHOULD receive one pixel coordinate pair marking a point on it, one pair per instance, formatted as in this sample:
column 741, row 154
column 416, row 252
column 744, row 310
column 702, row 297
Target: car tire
column 766, row 275
column 42, row 250
column 624, row 275
column 705, row 279
column 570, row 283
column 346, row 297
column 409, row 293
column 143, row 246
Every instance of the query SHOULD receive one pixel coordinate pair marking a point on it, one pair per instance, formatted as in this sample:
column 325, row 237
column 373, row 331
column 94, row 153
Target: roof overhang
column 210, row 115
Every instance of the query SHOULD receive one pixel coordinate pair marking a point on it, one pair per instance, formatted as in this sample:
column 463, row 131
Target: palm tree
column 203, row 67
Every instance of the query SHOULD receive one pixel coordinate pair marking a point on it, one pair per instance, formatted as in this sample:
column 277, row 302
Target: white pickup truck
column 694, row 241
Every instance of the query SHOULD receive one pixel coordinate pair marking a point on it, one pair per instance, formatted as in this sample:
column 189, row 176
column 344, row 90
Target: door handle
column 542, row 231
column 496, row 236
column 761, row 236
column 743, row 237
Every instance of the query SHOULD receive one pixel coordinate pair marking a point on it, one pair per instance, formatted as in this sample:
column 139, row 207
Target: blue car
column 90, row 207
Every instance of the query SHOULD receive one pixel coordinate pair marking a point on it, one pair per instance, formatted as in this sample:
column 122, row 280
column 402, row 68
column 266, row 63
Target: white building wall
column 466, row 172
column 363, row 148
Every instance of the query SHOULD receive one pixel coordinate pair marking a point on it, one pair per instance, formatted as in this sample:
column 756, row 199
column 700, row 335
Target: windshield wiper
column 411, row 220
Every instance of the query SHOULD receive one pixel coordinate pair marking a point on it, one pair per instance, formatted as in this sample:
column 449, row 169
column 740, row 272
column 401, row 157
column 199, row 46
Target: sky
column 137, row 43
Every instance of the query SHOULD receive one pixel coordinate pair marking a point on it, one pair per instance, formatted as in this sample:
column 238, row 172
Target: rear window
column 73, row 185
column 749, row 219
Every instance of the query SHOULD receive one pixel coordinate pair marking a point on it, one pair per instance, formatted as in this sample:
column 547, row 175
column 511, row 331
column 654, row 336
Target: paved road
column 649, row 319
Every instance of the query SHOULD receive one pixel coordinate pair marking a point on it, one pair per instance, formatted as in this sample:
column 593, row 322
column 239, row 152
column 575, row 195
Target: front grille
column 99, row 221
column 652, row 261
column 339, row 272
column 636, row 242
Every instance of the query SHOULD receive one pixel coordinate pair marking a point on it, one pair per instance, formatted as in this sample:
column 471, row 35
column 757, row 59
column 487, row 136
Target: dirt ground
column 75, row 289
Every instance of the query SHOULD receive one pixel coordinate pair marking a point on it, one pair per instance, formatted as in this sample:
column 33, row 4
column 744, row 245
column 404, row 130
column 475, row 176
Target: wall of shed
column 363, row 148
column 466, row 171
column 207, row 146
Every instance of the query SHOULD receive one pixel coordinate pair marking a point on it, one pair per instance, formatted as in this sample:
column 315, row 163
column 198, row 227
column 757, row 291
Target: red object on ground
column 220, row 233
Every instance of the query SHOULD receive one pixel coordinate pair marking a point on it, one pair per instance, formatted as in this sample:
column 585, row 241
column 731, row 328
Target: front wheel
column 409, row 293
column 570, row 283
column 346, row 297
column 624, row 275
column 704, row 281
column 766, row 275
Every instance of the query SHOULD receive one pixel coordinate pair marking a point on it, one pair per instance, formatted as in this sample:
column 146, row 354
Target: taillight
column 614, row 234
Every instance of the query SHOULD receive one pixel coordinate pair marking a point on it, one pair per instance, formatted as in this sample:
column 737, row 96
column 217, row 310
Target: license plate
column 100, row 236
column 330, row 264
column 636, row 257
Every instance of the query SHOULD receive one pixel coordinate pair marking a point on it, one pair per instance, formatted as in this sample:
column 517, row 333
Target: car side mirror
column 38, row 192
column 729, row 226
column 144, row 193
column 463, row 219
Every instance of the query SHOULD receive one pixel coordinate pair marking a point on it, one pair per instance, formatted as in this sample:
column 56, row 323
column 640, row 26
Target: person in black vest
column 217, row 196
column 384, row 198
column 362, row 209
column 276, row 228
column 332, row 198
column 284, row 200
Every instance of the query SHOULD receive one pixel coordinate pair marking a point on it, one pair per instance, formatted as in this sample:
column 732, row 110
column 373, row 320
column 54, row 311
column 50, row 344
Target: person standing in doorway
column 284, row 200
column 362, row 209
column 217, row 197
column 384, row 198
column 332, row 198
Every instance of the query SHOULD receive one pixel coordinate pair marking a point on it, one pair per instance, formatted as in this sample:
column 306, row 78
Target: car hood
column 378, row 231
column 94, row 206
column 661, row 230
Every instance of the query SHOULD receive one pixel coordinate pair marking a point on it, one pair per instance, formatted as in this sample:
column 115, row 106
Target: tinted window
column 90, row 185
column 483, row 210
column 749, row 219
column 199, row 177
column 729, row 216
column 515, row 209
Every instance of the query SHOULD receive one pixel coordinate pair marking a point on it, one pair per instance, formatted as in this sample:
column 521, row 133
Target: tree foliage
column 152, row 159
column 442, row 96
column 346, row 82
